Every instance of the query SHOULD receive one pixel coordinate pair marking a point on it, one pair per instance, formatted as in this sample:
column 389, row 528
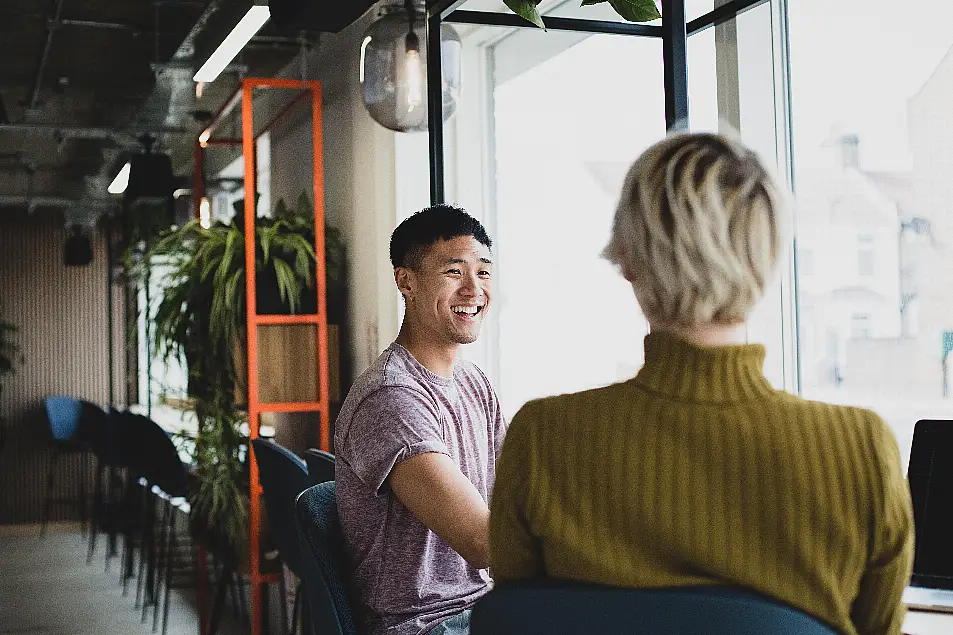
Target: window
column 565, row 319
column 865, row 262
column 860, row 326
column 540, row 149
column 546, row 129
column 805, row 261
column 873, row 151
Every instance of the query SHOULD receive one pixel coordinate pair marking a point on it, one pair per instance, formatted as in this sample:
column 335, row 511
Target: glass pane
column 567, row 320
column 731, row 86
column 873, row 154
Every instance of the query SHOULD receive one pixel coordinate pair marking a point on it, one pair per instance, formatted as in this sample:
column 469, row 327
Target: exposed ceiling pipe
column 32, row 202
column 50, row 29
column 87, row 132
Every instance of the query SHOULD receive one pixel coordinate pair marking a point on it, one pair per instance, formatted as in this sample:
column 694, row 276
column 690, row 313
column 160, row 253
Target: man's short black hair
column 437, row 222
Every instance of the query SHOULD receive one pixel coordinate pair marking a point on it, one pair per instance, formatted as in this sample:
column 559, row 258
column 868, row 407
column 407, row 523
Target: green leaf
column 526, row 9
column 636, row 10
column 586, row 3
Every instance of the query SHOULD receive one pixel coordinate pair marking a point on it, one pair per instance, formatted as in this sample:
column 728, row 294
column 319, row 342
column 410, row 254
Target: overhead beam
column 86, row 132
column 41, row 67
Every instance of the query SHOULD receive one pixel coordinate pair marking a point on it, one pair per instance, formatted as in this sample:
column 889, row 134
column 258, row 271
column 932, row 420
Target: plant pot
column 268, row 297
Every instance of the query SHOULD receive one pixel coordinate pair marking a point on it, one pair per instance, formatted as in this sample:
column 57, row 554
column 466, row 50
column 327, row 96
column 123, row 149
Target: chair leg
column 146, row 542
column 170, row 556
column 297, row 609
column 154, row 574
column 218, row 606
column 242, row 605
column 264, row 616
column 283, row 604
column 48, row 500
column 95, row 515
column 83, row 500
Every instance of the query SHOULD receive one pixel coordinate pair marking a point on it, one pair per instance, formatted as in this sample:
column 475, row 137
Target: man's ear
column 406, row 282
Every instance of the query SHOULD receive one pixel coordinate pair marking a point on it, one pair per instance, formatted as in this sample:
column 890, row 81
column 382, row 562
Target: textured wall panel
column 62, row 316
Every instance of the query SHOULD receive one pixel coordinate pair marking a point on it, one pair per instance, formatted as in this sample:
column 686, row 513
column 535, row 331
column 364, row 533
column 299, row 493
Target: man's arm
column 436, row 491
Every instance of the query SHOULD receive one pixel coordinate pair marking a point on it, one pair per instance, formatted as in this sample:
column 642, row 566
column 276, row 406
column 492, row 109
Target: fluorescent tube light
column 235, row 41
column 118, row 186
column 205, row 213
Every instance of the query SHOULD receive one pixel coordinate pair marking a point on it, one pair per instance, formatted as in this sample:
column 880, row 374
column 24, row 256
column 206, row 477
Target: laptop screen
column 931, row 487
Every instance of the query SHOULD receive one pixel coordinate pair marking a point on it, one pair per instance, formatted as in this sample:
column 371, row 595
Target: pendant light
column 394, row 67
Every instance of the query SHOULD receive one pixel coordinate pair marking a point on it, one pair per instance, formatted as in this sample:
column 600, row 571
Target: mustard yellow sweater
column 698, row 472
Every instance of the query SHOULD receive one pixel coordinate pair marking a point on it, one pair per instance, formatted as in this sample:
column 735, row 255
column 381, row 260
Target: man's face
column 449, row 293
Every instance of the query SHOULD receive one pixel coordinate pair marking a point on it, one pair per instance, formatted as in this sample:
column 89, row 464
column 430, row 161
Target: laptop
column 930, row 476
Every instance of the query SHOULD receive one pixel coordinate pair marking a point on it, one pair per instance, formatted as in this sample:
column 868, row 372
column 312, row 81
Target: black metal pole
column 110, row 305
column 435, row 108
column 148, row 337
column 675, row 58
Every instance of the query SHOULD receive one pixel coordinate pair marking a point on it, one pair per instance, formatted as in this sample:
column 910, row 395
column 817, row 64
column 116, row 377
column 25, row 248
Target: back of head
column 410, row 240
column 698, row 230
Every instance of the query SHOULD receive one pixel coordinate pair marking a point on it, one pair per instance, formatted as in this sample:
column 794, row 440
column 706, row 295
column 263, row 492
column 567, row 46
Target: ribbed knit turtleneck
column 724, row 374
column 698, row 472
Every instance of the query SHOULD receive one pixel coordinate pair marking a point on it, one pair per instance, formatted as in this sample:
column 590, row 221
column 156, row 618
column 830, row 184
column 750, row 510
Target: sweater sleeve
column 878, row 608
column 514, row 551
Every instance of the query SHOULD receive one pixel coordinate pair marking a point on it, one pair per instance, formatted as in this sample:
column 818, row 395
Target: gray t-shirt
column 405, row 578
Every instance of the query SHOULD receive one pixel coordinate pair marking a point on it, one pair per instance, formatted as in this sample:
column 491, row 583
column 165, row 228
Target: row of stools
column 141, row 495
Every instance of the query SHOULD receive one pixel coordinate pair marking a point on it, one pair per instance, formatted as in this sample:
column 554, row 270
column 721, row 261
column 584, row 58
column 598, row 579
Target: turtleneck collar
column 683, row 371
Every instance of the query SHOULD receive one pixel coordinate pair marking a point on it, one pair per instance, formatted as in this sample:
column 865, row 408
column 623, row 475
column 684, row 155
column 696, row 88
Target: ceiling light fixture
column 118, row 186
column 394, row 67
column 234, row 42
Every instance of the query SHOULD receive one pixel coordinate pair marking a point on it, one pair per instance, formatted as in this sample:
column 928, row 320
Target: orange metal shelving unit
column 243, row 97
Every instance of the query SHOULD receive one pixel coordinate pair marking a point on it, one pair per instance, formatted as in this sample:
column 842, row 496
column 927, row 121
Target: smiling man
column 417, row 440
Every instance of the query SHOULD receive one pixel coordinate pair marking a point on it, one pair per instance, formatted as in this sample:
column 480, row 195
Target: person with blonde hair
column 697, row 472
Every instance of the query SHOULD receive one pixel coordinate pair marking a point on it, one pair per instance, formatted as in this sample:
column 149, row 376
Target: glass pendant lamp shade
column 394, row 68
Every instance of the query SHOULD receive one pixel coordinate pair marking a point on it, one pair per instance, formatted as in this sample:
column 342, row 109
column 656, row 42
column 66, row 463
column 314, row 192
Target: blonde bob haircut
column 698, row 230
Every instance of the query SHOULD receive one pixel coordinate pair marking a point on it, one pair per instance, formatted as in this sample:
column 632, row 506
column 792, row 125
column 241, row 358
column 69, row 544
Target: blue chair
column 319, row 533
column 564, row 608
column 320, row 465
column 64, row 415
column 283, row 475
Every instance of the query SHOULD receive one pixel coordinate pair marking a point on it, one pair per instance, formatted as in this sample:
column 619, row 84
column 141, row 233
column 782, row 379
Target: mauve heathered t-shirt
column 405, row 578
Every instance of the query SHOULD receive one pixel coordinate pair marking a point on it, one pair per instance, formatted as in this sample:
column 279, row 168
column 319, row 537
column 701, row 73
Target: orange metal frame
column 244, row 96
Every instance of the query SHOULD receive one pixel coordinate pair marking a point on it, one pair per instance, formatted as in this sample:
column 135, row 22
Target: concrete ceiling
column 81, row 80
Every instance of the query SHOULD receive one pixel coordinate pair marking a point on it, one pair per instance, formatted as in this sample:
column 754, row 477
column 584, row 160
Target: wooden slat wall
column 62, row 316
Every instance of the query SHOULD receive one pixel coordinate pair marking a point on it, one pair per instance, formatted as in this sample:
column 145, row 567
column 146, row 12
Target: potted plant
column 200, row 320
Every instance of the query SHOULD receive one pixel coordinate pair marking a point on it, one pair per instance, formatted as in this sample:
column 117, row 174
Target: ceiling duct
column 317, row 15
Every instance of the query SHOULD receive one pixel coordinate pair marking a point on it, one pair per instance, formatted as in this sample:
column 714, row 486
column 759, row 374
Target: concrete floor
column 46, row 588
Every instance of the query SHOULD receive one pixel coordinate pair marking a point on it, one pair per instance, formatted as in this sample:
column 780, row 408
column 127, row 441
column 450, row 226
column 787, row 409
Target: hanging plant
column 630, row 10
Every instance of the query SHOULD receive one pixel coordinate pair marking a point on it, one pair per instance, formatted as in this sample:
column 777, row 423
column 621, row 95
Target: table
column 928, row 623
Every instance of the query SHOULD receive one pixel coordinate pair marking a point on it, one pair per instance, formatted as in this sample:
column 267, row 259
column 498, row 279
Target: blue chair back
column 283, row 476
column 63, row 414
column 559, row 608
column 320, row 465
column 322, row 544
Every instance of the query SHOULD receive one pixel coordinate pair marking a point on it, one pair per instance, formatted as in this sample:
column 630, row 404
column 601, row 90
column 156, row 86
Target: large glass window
column 558, row 118
column 565, row 131
column 873, row 153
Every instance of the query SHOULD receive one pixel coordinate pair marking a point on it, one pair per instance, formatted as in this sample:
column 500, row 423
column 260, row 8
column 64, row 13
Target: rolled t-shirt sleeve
column 391, row 425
